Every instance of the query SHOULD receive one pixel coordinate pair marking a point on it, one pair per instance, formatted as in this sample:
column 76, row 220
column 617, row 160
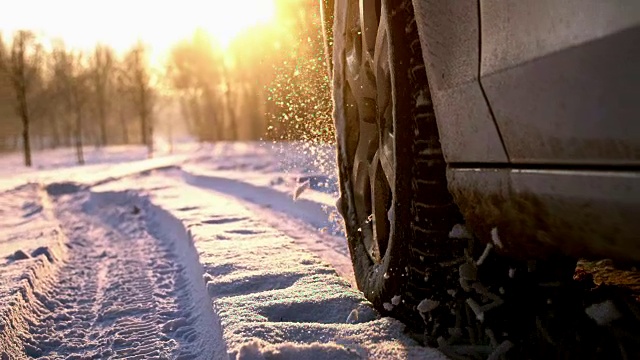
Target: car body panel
column 562, row 79
column 515, row 32
column 578, row 106
column 449, row 31
column 558, row 92
column 542, row 213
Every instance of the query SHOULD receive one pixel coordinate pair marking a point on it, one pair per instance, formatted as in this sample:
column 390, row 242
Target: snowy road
column 193, row 260
column 121, row 291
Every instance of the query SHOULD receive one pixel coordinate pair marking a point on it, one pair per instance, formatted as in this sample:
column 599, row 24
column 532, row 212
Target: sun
column 224, row 20
column 121, row 23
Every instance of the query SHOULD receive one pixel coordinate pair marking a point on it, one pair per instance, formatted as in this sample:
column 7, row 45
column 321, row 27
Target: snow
column 495, row 238
column 459, row 231
column 485, row 254
column 603, row 313
column 395, row 301
column 300, row 189
column 427, row 305
column 268, row 288
column 121, row 290
column 203, row 253
column 100, row 169
column 27, row 227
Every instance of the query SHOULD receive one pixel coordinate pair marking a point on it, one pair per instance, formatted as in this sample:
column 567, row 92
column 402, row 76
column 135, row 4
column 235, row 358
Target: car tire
column 452, row 292
column 394, row 198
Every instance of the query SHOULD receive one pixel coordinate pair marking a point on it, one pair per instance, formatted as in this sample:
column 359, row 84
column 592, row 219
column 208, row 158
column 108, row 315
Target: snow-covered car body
column 536, row 106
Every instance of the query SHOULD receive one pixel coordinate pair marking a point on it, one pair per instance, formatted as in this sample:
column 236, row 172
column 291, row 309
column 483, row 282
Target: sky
column 120, row 23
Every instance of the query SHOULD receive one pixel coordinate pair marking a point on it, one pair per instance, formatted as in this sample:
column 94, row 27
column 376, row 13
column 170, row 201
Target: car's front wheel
column 394, row 198
column 455, row 292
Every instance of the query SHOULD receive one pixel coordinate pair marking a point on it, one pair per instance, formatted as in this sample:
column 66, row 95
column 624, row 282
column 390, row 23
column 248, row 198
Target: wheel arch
column 450, row 40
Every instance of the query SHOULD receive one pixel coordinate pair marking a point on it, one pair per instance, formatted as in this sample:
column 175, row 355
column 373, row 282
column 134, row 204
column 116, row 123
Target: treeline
column 270, row 83
column 61, row 97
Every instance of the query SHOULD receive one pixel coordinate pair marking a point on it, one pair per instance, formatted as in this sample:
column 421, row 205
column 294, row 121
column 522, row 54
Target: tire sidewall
column 378, row 281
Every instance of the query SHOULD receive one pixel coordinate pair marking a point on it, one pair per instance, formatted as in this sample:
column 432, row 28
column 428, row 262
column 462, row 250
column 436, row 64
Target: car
column 484, row 147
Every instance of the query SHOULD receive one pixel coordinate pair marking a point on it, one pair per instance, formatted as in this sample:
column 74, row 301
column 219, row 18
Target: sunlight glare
column 120, row 23
column 225, row 20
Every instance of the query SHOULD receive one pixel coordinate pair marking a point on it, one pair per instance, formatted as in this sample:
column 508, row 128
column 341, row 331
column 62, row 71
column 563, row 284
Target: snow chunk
column 173, row 325
column 259, row 350
column 19, row 255
column 603, row 313
column 387, row 306
column 300, row 189
column 395, row 300
column 495, row 238
column 207, row 278
column 485, row 254
column 501, row 350
column 468, row 271
column 427, row 305
column 250, row 351
column 459, row 231
column 477, row 309
column 353, row 317
column 43, row 250
column 362, row 314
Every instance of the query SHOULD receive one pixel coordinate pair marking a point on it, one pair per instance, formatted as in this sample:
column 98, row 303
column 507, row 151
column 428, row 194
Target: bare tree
column 79, row 91
column 22, row 66
column 230, row 105
column 139, row 79
column 10, row 126
column 102, row 71
column 196, row 72
column 61, row 83
column 71, row 78
column 122, row 100
column 50, row 114
column 254, row 60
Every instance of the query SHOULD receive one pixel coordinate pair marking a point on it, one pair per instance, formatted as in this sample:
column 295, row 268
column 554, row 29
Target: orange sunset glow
column 120, row 23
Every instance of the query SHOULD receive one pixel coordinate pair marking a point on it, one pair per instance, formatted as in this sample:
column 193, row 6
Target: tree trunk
column 55, row 131
column 103, row 123
column 150, row 137
column 24, row 114
column 231, row 111
column 143, row 116
column 187, row 117
column 78, row 136
column 200, row 126
column 25, row 141
column 212, row 115
column 125, row 130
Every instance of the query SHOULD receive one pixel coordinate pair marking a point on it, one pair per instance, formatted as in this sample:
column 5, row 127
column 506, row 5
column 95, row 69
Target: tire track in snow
column 274, row 298
column 306, row 221
column 122, row 293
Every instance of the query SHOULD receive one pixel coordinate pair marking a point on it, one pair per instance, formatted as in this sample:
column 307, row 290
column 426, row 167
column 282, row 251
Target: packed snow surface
column 216, row 251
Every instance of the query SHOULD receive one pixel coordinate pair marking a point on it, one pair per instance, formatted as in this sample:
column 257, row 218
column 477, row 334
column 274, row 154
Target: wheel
column 394, row 198
column 455, row 293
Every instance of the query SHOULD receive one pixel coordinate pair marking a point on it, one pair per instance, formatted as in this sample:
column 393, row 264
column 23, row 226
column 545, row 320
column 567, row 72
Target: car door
column 563, row 80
